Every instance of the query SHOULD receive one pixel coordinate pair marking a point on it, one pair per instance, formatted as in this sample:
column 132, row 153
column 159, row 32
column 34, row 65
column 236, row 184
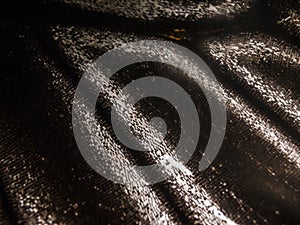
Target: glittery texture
column 162, row 9
column 255, row 177
column 287, row 16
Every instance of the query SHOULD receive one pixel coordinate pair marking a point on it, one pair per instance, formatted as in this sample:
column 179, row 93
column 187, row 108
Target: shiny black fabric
column 251, row 46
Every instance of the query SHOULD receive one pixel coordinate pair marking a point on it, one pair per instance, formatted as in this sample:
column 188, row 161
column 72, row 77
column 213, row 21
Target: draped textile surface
column 251, row 46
